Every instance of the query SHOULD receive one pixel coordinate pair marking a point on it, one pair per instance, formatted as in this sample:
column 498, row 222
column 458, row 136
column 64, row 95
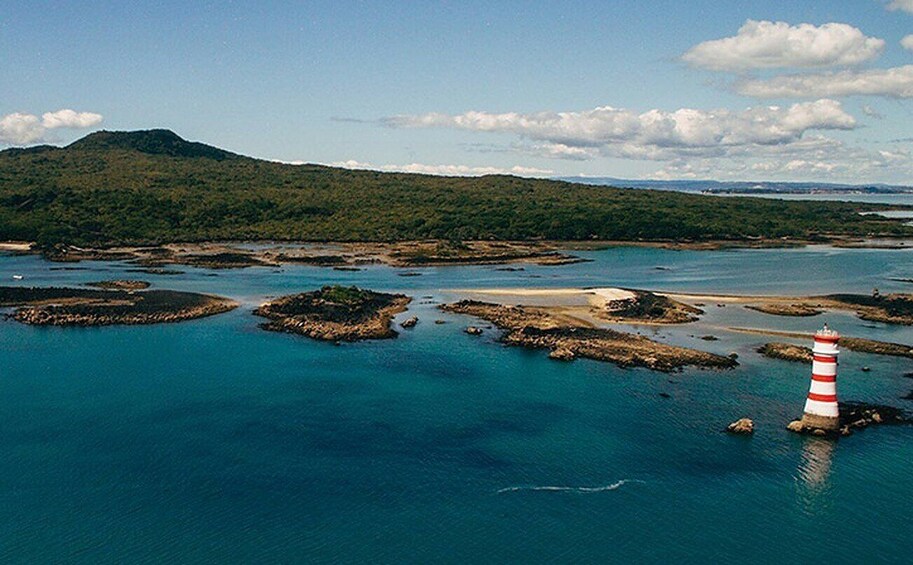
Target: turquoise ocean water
column 213, row 441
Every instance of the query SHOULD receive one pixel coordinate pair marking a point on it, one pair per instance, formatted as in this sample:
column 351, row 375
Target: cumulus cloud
column 907, row 42
column 67, row 118
column 902, row 5
column 770, row 45
column 20, row 129
column 762, row 142
column 833, row 160
column 896, row 82
column 652, row 135
column 446, row 170
column 23, row 129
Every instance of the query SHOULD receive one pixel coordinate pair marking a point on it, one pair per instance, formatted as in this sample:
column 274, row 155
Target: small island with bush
column 335, row 313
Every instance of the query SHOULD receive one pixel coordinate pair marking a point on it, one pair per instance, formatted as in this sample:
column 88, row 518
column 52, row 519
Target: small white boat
column 17, row 277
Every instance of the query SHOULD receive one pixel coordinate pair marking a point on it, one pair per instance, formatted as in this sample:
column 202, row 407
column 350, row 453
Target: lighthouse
column 821, row 409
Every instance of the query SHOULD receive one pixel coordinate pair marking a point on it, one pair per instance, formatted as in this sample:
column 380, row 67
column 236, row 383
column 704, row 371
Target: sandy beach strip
column 551, row 296
column 15, row 246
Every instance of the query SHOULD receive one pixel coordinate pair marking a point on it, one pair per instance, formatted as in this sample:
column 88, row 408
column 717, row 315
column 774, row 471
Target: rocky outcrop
column 414, row 254
column 339, row 255
column 780, row 309
column 222, row 260
column 886, row 308
column 90, row 307
column 120, row 284
column 743, row 426
column 409, row 322
column 536, row 328
column 646, row 306
column 792, row 352
column 562, row 354
column 786, row 352
column 863, row 345
column 855, row 416
column 335, row 313
column 472, row 330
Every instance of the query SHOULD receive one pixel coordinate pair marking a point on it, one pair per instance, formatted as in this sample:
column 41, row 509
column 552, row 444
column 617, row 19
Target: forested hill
column 154, row 187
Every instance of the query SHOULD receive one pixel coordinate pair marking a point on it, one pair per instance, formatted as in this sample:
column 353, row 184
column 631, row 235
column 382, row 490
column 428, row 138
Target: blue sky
column 626, row 89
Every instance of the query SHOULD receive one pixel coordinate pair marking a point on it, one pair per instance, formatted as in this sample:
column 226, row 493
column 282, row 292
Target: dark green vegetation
column 349, row 296
column 459, row 253
column 888, row 308
column 50, row 306
column 153, row 187
column 650, row 307
column 335, row 313
column 120, row 284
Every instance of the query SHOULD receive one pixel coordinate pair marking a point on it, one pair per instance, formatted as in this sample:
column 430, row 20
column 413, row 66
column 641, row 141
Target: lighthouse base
column 814, row 421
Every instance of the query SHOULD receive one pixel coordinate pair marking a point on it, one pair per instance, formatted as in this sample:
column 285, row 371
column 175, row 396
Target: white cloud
column 907, row 42
column 896, row 82
column 651, row 135
column 770, row 45
column 763, row 142
column 446, row 170
column 23, row 129
column 902, row 5
column 871, row 112
column 20, row 129
column 833, row 161
column 67, row 118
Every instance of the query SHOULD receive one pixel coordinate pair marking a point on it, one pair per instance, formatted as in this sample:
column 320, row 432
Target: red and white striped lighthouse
column 821, row 409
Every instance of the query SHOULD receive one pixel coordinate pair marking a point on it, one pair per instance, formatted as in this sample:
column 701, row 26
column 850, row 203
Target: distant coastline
column 753, row 188
column 153, row 187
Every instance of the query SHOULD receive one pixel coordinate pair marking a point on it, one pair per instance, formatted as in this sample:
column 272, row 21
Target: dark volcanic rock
column 857, row 416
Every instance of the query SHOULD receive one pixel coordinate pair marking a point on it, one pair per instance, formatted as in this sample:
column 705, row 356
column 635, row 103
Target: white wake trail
column 612, row 486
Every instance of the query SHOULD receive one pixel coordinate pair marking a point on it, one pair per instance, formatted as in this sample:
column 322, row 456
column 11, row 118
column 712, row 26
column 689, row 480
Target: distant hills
column 744, row 187
column 152, row 142
column 146, row 187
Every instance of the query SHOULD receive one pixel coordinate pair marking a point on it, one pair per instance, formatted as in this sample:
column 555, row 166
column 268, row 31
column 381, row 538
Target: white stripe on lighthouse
column 822, row 392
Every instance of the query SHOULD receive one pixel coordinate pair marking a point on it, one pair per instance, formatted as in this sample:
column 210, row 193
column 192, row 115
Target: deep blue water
column 213, row 441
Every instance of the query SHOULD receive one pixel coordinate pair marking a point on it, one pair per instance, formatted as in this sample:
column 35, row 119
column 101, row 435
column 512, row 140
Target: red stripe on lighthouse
column 826, row 339
column 825, row 359
column 822, row 397
column 824, row 378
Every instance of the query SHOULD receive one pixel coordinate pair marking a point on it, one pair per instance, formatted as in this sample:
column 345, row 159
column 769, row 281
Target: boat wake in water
column 584, row 490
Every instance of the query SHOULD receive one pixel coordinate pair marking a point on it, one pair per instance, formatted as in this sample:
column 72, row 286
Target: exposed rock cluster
column 92, row 307
column 120, row 284
column 786, row 351
column 743, row 426
column 855, row 416
column 537, row 329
